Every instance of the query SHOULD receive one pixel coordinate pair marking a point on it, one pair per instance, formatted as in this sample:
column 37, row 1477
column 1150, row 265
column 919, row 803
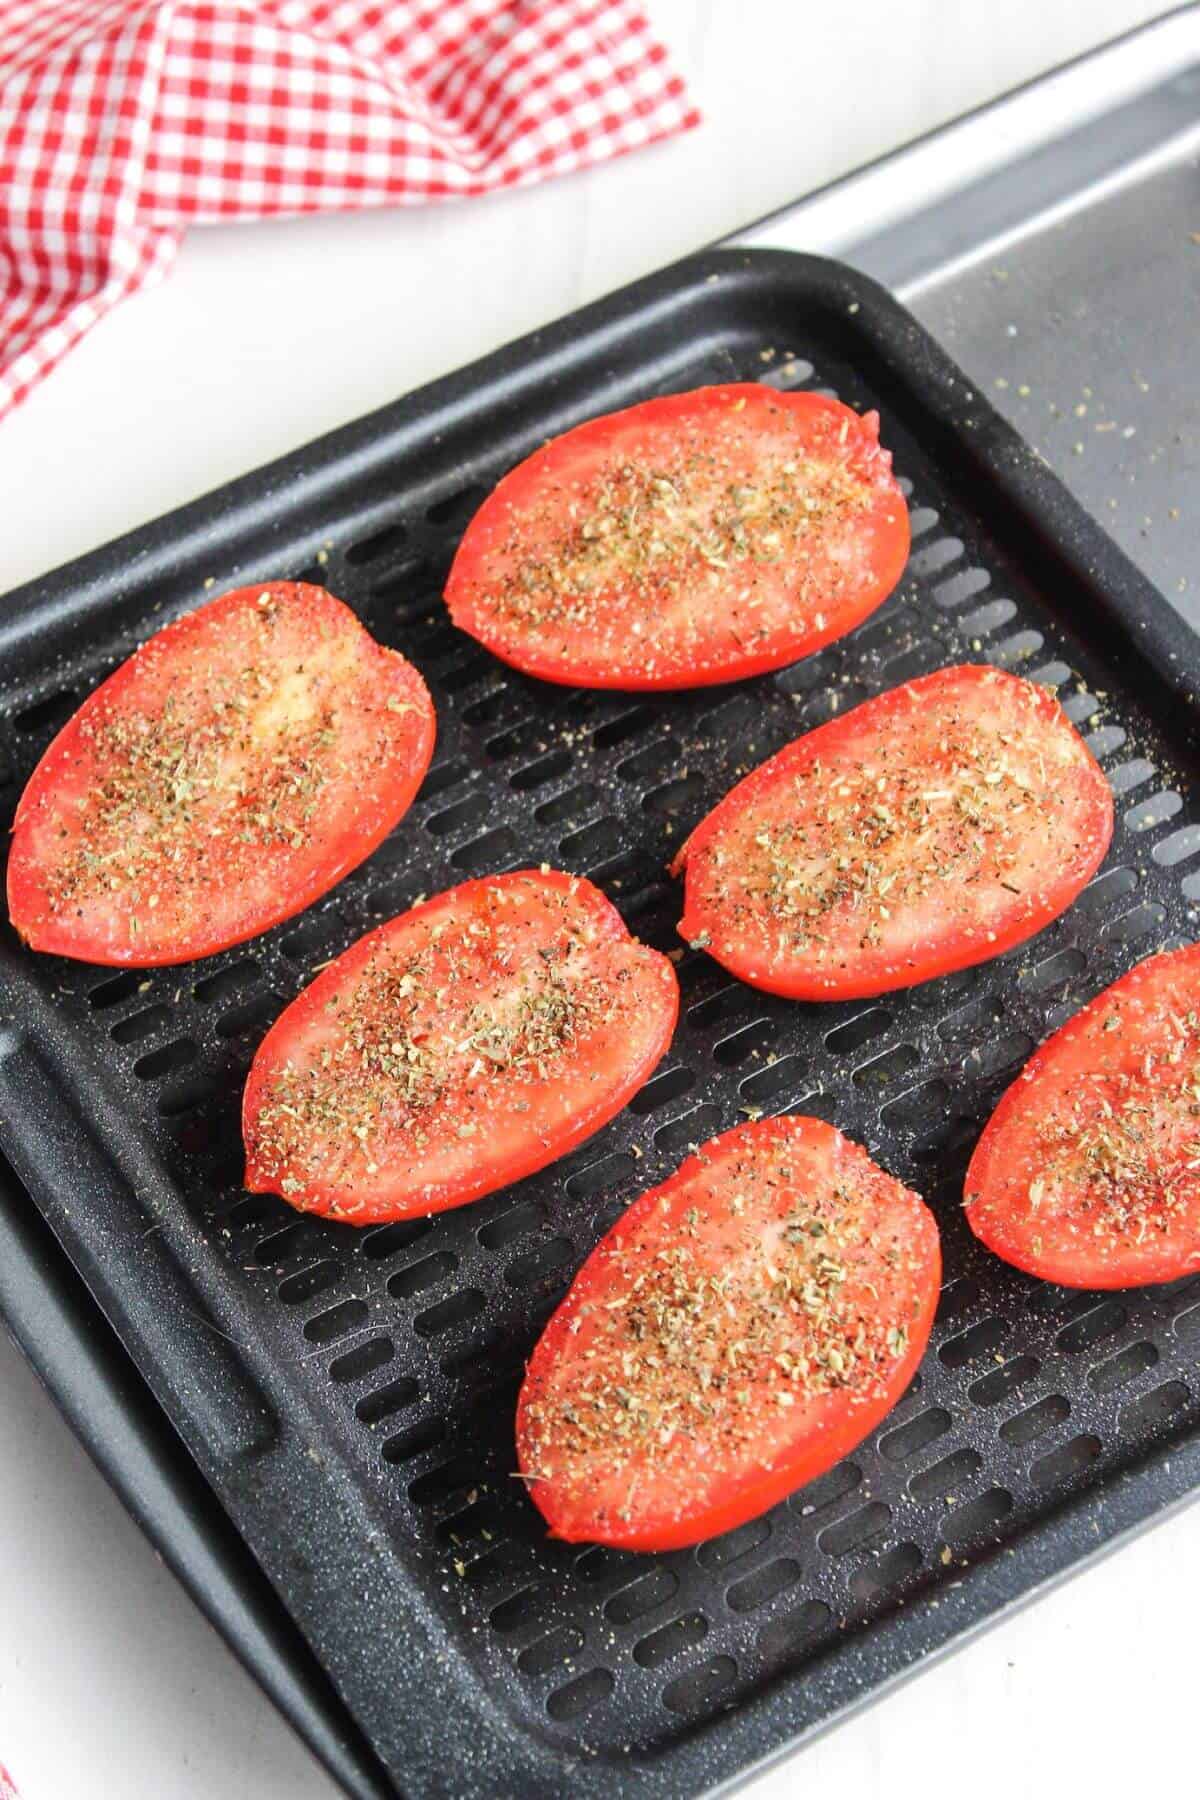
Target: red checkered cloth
column 122, row 121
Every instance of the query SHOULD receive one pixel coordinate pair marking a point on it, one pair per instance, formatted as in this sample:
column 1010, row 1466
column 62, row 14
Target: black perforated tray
column 349, row 1396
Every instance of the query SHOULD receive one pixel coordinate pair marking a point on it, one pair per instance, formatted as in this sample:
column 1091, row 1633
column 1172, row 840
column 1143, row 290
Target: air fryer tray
column 349, row 1396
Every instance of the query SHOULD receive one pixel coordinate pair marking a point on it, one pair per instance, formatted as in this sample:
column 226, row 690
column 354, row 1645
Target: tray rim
column 771, row 1722
column 51, row 1318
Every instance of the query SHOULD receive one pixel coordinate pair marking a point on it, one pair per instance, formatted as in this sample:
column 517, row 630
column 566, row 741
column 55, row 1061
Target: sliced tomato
column 735, row 1334
column 689, row 540
column 1088, row 1172
column 455, row 1049
column 928, row 829
column 233, row 770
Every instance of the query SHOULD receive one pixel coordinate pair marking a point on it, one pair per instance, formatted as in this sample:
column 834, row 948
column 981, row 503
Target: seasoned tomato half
column 1088, row 1172
column 689, row 540
column 928, row 829
column 234, row 769
column 734, row 1335
column 456, row 1049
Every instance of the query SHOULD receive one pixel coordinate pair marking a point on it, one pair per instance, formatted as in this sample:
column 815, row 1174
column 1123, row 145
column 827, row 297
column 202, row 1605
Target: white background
column 111, row 1684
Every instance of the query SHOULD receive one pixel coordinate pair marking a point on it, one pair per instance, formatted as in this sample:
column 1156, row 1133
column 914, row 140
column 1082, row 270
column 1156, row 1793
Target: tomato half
column 742, row 1328
column 690, row 540
column 1088, row 1172
column 240, row 763
column 455, row 1049
column 928, row 829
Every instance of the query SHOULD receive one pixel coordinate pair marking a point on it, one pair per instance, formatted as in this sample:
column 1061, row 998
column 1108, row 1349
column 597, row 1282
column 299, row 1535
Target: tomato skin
column 963, row 908
column 354, row 718
column 426, row 1150
column 1057, row 1186
column 692, row 605
column 726, row 1207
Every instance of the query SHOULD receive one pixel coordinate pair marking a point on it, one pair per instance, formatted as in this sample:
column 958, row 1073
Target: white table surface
column 111, row 1683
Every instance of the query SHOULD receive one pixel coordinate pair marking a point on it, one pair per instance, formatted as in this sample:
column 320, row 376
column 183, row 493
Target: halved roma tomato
column 689, row 540
column 930, row 828
column 234, row 769
column 1088, row 1172
column 735, row 1334
column 455, row 1049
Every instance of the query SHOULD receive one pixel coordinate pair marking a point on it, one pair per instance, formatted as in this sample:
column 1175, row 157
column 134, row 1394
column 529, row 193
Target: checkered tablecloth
column 124, row 121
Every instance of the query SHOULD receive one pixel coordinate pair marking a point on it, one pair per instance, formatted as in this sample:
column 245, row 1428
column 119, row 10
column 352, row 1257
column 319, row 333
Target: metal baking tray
column 349, row 1396
column 1047, row 240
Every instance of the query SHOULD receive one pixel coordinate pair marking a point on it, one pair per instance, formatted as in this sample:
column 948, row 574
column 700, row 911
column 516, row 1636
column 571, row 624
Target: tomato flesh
column 1088, row 1172
column 456, row 1049
column 930, row 828
column 694, row 539
column 737, row 1332
column 232, row 771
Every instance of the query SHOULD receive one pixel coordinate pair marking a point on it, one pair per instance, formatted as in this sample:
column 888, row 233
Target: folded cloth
column 123, row 121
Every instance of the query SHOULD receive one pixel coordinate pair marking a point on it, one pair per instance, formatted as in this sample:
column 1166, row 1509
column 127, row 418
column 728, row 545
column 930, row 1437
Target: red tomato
column 1088, row 1172
column 741, row 1329
column 454, row 1050
column 928, row 829
column 228, row 774
column 686, row 541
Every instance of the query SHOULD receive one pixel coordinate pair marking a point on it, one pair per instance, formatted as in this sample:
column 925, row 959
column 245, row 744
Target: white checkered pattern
column 123, row 121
